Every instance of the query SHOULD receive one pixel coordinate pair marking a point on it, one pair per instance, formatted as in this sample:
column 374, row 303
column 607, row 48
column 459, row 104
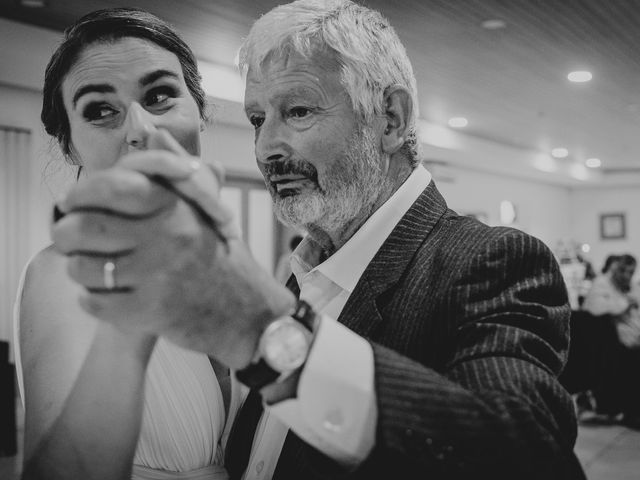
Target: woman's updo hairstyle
column 109, row 25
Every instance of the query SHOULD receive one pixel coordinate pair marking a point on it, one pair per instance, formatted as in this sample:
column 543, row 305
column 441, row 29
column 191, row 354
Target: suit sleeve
column 496, row 409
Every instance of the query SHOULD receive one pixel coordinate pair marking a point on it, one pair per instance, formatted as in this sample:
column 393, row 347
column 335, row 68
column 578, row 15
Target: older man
column 427, row 345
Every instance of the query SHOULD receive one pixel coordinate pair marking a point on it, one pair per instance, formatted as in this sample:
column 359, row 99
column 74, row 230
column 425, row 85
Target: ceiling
column 510, row 83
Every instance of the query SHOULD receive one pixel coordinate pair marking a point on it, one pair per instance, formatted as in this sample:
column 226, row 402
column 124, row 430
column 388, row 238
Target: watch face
column 285, row 345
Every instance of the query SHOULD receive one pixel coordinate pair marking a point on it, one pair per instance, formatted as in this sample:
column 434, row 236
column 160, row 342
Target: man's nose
column 138, row 125
column 272, row 142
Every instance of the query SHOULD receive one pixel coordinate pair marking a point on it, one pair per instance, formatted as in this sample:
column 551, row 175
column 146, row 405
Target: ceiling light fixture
column 33, row 3
column 593, row 162
column 458, row 122
column 560, row 152
column 494, row 24
column 580, row 76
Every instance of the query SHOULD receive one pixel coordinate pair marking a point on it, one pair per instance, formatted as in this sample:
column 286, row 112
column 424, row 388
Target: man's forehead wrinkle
column 303, row 80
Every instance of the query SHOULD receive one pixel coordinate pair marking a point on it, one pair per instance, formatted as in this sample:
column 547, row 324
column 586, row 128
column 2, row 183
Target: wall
column 542, row 210
column 47, row 176
column 586, row 207
column 229, row 140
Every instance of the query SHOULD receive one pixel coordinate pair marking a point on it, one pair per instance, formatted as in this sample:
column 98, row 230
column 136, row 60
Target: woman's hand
column 173, row 274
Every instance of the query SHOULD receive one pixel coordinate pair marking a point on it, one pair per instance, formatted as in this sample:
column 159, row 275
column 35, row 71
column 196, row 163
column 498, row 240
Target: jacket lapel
column 361, row 313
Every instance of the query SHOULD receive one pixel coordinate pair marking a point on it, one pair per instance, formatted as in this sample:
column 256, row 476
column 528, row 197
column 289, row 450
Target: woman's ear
column 398, row 114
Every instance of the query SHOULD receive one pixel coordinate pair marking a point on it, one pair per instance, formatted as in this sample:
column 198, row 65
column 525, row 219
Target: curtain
column 15, row 163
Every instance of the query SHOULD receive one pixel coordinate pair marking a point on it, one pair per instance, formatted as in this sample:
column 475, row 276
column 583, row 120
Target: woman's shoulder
column 46, row 276
column 46, row 263
column 48, row 298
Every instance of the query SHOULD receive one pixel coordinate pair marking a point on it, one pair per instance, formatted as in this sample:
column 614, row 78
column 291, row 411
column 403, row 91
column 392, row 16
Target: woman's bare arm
column 84, row 382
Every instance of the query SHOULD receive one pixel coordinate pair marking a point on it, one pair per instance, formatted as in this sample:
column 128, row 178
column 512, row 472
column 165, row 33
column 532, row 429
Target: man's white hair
column 367, row 48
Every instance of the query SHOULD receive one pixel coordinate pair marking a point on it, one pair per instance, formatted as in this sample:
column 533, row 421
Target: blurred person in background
column 614, row 295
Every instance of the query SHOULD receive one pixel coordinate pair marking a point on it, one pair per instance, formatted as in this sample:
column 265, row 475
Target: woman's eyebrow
column 90, row 88
column 155, row 75
column 107, row 88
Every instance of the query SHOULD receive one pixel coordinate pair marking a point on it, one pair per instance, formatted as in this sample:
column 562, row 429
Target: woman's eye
column 98, row 111
column 159, row 96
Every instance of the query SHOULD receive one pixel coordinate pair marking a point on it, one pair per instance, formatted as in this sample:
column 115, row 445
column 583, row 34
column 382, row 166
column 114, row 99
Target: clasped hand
column 176, row 274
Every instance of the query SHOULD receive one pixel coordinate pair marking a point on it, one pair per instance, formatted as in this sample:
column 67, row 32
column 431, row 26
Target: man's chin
column 297, row 209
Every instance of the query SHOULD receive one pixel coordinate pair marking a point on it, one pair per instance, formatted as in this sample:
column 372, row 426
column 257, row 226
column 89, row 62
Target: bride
column 101, row 403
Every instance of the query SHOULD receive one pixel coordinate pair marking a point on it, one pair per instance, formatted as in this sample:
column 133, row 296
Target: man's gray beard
column 347, row 189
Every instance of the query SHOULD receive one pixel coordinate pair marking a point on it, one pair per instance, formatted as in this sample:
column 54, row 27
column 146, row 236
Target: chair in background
column 595, row 361
column 8, row 440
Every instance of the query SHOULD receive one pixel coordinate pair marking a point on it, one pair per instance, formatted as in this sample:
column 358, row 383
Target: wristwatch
column 282, row 349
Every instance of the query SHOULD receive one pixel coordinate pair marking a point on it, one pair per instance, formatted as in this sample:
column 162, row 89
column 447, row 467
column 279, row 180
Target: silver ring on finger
column 109, row 275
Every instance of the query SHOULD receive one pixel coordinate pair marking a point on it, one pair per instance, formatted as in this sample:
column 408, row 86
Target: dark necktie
column 240, row 441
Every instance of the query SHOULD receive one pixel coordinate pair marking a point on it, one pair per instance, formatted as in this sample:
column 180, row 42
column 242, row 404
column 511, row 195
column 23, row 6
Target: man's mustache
column 291, row 167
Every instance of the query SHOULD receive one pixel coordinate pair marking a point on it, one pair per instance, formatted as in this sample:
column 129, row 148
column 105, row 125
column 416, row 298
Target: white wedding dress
column 183, row 425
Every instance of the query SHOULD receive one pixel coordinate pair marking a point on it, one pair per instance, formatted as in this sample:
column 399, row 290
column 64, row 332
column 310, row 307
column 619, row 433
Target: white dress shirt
column 335, row 408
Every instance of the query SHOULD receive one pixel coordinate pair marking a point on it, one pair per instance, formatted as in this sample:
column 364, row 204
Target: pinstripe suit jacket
column 469, row 327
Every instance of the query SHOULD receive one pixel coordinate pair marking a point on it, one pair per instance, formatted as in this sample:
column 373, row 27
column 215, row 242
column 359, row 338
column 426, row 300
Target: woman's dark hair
column 627, row 260
column 609, row 261
column 108, row 25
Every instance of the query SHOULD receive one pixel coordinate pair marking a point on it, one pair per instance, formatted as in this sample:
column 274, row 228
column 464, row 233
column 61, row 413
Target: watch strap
column 259, row 374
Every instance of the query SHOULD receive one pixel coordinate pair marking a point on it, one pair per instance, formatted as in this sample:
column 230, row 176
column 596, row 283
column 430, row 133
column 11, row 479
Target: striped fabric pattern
column 469, row 326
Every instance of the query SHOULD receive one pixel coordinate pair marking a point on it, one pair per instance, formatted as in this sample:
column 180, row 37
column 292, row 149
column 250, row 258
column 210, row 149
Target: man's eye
column 159, row 96
column 98, row 111
column 299, row 112
column 256, row 121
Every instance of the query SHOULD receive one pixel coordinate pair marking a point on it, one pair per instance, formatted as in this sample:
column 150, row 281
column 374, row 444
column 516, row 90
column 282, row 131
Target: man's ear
column 398, row 113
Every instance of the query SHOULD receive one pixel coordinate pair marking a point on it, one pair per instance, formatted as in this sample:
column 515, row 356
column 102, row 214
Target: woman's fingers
column 170, row 165
column 95, row 234
column 118, row 191
column 161, row 162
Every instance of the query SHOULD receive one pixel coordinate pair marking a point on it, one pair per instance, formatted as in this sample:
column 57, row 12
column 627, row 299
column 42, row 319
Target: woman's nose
column 138, row 125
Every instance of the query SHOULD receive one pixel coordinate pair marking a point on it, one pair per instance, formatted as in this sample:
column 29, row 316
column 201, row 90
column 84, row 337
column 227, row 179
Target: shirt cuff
column 335, row 409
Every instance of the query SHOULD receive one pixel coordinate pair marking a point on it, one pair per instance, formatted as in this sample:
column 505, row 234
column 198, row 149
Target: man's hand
column 174, row 275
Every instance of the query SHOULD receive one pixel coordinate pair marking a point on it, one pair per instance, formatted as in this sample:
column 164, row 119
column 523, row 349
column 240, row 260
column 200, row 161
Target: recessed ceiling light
column 458, row 122
column 580, row 76
column 586, row 248
column 560, row 152
column 593, row 162
column 33, row 3
column 494, row 24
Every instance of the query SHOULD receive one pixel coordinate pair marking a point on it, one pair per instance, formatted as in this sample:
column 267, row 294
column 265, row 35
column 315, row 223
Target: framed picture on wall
column 612, row 226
